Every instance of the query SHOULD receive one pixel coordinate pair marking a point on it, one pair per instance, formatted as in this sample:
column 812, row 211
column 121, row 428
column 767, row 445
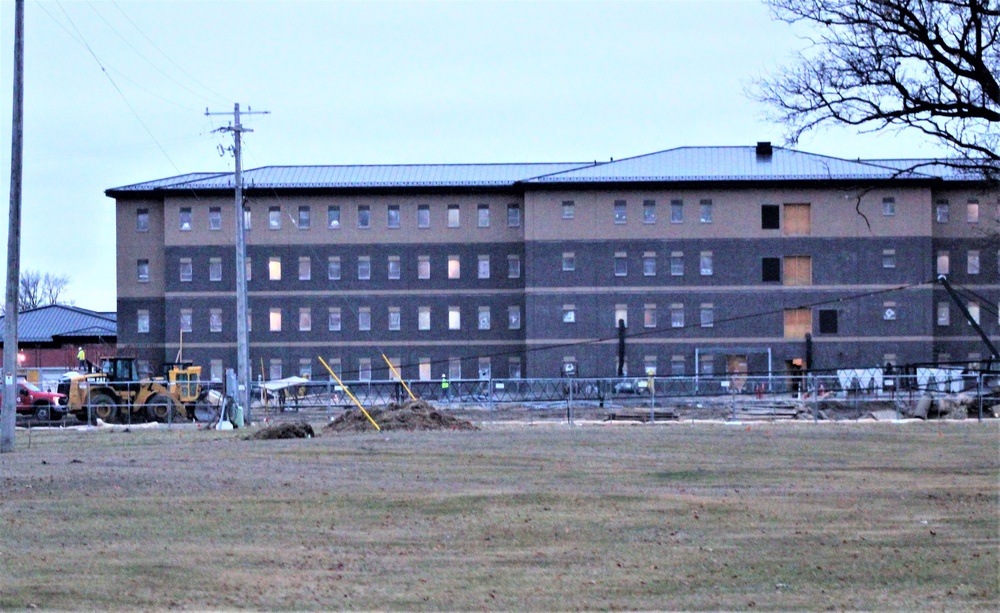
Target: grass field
column 679, row 516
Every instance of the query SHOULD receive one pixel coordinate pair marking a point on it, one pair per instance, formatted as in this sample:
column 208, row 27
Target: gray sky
column 367, row 83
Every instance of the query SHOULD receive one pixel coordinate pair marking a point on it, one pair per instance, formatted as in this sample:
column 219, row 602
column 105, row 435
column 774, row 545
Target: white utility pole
column 242, row 333
column 9, row 419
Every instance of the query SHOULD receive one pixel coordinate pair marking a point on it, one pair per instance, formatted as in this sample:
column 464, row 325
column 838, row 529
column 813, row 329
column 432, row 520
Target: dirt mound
column 289, row 430
column 413, row 415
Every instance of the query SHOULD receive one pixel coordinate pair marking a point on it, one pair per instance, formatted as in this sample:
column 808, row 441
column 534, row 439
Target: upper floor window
column 972, row 211
column 305, row 217
column 215, row 320
column 568, row 260
column 454, row 318
column 333, row 268
column 677, row 263
column 888, row 206
column 649, row 264
column 333, row 216
column 484, row 318
column 364, row 318
column 333, row 319
column 798, row 219
column 274, row 217
column 423, row 267
column 454, row 267
column 364, row 267
column 942, row 211
column 770, row 270
column 395, row 323
column 274, row 268
column 394, row 267
column 392, row 219
column 142, row 220
column 676, row 211
column 364, row 216
column 274, row 319
column 454, row 220
column 142, row 321
column 706, row 263
column 706, row 211
column 186, row 270
column 423, row 216
column 484, row 267
column 215, row 269
column 972, row 263
column 514, row 215
column 186, row 320
column 770, row 217
column 215, row 218
column 514, row 317
column 797, row 270
column 513, row 267
column 621, row 264
column 483, row 215
column 649, row 211
column 305, row 268
column 568, row 209
column 620, row 212
column 185, row 219
column 888, row 258
column 142, row 271
column 943, row 263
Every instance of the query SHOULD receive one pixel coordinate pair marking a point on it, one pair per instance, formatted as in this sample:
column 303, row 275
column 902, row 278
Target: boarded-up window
column 798, row 270
column 797, row 219
column 798, row 322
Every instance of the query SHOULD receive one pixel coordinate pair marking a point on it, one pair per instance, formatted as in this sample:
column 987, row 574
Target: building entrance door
column 736, row 368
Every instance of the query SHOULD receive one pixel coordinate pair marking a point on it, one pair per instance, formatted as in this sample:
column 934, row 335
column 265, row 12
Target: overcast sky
column 115, row 93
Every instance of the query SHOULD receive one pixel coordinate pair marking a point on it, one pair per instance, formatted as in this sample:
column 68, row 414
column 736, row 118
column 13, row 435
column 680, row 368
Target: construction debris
column 413, row 415
column 288, row 430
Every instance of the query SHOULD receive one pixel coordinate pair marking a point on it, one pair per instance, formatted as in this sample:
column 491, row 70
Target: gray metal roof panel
column 169, row 183
column 41, row 324
column 949, row 170
column 721, row 164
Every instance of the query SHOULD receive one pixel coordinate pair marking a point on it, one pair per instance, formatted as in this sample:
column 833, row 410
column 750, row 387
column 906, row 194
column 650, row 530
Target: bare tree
column 41, row 289
column 929, row 65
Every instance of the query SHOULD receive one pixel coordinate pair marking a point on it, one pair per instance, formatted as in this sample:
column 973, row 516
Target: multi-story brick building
column 717, row 258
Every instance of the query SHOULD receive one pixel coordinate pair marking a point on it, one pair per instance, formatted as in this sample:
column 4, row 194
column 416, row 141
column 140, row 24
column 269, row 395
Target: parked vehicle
column 42, row 405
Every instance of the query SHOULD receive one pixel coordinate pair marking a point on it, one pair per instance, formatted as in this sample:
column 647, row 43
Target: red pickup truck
column 43, row 406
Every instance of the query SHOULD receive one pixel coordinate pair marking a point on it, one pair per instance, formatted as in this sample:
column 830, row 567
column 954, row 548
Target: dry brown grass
column 680, row 516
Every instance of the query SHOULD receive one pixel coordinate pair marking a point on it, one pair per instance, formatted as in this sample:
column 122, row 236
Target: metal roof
column 724, row 164
column 41, row 325
column 949, row 170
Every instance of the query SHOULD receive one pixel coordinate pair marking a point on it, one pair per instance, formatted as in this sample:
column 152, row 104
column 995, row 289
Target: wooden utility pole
column 242, row 328
column 9, row 418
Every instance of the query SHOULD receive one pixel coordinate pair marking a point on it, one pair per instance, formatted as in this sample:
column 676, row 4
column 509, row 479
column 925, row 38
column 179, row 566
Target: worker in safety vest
column 445, row 388
column 81, row 357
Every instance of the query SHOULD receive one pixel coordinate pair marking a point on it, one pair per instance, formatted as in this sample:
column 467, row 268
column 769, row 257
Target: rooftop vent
column 764, row 149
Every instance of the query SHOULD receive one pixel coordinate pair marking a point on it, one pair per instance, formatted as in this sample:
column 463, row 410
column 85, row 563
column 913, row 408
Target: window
column 649, row 316
column 454, row 267
column 364, row 216
column 394, row 267
column 706, row 263
column 706, row 211
column 333, row 217
column 305, row 268
column 514, row 317
column 706, row 364
column 274, row 217
column 942, row 211
column 972, row 264
column 392, row 219
column 942, row 263
column 770, row 270
column 142, row 271
column 973, row 311
column 142, row 220
column 798, row 323
column 423, row 267
column 621, row 264
column 888, row 258
column 364, row 267
column 888, row 206
column 770, row 217
column 215, row 370
column 215, row 320
column 274, row 319
column 483, row 271
column 454, row 369
column 274, row 268
column 620, row 214
column 364, row 318
column 186, row 270
column 677, row 263
column 186, row 320
column 649, row 211
column 621, row 315
column 333, row 268
column 305, row 217
column 214, row 218
column 827, row 321
column 365, row 369
column 215, row 269
column 972, row 211
column 676, row 211
column 513, row 267
column 568, row 260
column 185, row 219
column 483, row 215
column 677, row 367
column 424, row 370
column 677, row 315
column 247, row 218
column 649, row 365
column 649, row 264
column 798, row 219
column 424, row 318
column 249, row 320
column 454, row 318
column 454, row 218
column 707, row 315
column 305, row 319
column 889, row 311
column 943, row 314
column 274, row 368
column 305, row 368
column 798, row 270
column 569, row 314
column 249, row 269
column 513, row 215
column 568, row 209
column 333, row 319
column 514, row 368
column 142, row 321
column 484, row 318
column 423, row 215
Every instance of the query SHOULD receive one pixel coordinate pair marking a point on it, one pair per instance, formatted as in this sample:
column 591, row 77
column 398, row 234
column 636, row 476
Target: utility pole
column 242, row 333
column 9, row 418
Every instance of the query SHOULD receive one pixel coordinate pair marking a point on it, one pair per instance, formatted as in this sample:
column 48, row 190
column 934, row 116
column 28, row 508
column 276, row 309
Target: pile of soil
column 288, row 430
column 413, row 415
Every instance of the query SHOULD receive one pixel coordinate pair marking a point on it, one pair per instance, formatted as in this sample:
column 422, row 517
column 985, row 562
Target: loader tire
column 160, row 408
column 103, row 407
